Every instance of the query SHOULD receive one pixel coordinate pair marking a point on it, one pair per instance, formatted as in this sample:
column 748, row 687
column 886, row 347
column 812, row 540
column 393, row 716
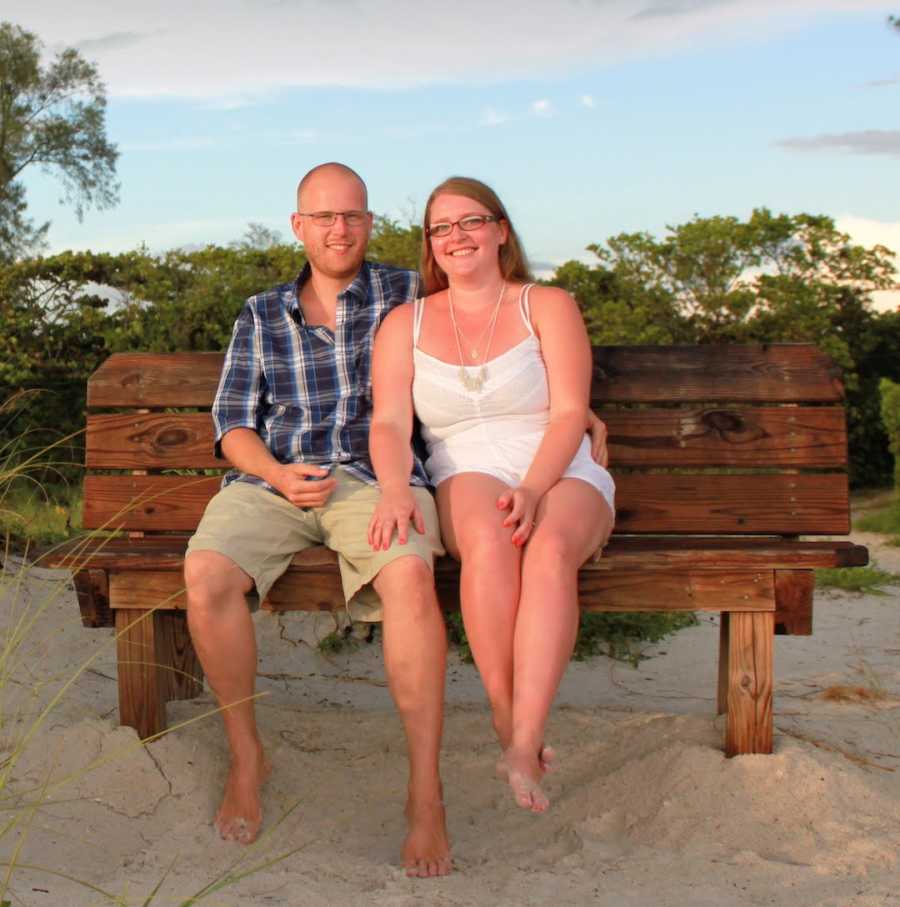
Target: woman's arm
column 567, row 356
column 390, row 433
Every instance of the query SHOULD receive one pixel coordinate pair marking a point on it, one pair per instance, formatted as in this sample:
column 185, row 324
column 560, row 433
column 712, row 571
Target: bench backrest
column 743, row 440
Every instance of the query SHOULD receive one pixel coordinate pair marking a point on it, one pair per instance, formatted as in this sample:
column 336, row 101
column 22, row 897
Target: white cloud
column 542, row 108
column 226, row 48
column 586, row 100
column 492, row 117
column 866, row 141
column 868, row 232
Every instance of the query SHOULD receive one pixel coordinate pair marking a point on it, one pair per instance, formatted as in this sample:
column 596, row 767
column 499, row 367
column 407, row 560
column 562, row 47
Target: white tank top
column 514, row 399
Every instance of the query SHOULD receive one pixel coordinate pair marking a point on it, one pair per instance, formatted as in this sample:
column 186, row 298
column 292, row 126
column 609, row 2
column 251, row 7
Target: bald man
column 292, row 417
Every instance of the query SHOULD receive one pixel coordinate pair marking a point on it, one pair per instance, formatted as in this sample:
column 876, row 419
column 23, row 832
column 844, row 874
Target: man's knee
column 211, row 579
column 405, row 578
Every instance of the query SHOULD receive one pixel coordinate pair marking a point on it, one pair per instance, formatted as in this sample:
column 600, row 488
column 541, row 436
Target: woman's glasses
column 468, row 223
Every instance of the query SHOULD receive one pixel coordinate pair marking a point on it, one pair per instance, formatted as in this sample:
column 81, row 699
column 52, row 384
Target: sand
column 646, row 810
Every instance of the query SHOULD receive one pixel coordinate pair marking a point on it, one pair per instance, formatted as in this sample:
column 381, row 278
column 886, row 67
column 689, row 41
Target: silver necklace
column 475, row 382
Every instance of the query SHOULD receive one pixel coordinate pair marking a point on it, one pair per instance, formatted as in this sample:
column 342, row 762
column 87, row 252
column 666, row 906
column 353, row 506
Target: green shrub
column 616, row 635
column 890, row 415
column 869, row 579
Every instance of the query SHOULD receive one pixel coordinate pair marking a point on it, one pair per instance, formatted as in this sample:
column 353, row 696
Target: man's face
column 336, row 251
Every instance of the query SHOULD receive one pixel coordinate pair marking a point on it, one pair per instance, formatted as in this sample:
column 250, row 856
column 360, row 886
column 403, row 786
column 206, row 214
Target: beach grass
column 871, row 579
column 885, row 519
column 32, row 516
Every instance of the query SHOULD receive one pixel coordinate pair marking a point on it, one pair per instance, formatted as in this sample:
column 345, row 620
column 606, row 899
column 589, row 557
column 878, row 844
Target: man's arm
column 246, row 451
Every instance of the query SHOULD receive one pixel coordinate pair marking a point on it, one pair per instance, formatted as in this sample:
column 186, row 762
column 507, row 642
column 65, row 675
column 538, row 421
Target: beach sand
column 645, row 809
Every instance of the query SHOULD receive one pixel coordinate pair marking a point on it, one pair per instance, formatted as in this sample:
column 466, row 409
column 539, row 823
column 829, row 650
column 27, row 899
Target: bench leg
column 141, row 689
column 724, row 637
column 750, row 679
column 182, row 675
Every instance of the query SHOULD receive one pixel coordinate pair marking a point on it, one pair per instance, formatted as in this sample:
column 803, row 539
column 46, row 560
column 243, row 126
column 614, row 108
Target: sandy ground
column 646, row 809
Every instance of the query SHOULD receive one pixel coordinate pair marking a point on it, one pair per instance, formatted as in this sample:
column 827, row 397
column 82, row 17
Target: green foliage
column 393, row 244
column 772, row 278
column 869, row 579
column 618, row 636
column 886, row 520
column 34, row 515
column 623, row 636
column 52, row 116
column 890, row 416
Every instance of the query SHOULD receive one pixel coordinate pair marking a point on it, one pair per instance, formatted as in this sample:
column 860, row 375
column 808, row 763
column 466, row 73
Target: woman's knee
column 486, row 541
column 555, row 548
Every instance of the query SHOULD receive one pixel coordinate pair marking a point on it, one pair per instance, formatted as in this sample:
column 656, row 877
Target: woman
column 499, row 373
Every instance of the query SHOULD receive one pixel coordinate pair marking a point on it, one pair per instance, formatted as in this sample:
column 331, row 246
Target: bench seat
column 726, row 459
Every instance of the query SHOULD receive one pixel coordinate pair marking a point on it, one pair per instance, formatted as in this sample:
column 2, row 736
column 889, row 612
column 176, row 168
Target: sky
column 589, row 117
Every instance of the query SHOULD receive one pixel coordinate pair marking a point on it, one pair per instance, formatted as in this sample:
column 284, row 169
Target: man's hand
column 597, row 430
column 397, row 507
column 303, row 484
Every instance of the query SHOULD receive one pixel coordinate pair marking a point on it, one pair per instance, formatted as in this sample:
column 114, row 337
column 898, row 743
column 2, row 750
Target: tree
column 770, row 278
column 54, row 117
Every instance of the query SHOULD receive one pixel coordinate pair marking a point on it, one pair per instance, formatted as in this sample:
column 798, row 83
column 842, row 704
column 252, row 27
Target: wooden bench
column 724, row 456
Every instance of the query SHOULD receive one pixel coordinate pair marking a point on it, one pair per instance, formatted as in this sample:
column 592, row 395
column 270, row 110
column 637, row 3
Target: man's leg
column 223, row 636
column 415, row 657
column 247, row 535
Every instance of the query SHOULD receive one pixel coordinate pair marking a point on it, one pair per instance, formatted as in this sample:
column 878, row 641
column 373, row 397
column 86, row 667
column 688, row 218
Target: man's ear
column 297, row 226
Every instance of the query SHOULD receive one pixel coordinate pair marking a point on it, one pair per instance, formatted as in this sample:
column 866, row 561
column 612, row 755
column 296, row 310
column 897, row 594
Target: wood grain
column 659, row 503
column 757, row 437
column 794, row 602
column 750, row 683
column 141, row 693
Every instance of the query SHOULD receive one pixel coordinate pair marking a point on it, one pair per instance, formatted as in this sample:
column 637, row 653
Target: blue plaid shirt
column 307, row 390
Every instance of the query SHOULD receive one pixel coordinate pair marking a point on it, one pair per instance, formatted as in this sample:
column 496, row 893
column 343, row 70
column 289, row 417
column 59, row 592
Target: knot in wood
column 723, row 421
column 171, row 437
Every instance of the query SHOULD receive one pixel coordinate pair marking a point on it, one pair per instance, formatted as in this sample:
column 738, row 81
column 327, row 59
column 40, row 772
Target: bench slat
column 162, row 553
column 775, row 373
column 712, row 436
column 635, row 590
column 762, row 504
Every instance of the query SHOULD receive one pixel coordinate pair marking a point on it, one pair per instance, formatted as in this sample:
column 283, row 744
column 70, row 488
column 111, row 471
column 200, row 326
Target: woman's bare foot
column 239, row 817
column 546, row 757
column 426, row 850
column 524, row 772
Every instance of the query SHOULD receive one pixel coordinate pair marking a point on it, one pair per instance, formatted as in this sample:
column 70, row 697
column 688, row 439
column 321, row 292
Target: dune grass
column 31, row 515
column 871, row 579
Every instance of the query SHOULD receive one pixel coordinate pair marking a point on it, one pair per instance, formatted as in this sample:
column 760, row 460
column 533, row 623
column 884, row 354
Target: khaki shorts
column 261, row 532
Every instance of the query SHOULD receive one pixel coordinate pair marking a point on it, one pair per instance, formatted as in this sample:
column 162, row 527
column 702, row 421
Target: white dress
column 496, row 430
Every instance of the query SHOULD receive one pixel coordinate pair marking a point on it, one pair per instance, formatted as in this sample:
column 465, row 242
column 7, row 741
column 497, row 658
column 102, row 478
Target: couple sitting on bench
column 315, row 415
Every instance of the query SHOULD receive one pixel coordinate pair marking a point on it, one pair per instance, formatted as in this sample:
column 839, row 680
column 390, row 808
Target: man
column 292, row 416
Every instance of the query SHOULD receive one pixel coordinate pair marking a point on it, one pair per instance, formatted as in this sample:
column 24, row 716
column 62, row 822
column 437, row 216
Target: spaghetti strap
column 524, row 307
column 418, row 311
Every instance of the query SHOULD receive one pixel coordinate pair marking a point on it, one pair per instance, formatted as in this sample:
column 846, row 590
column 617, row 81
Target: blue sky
column 590, row 117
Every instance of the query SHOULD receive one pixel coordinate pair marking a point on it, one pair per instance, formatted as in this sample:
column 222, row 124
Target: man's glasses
column 327, row 218
column 468, row 223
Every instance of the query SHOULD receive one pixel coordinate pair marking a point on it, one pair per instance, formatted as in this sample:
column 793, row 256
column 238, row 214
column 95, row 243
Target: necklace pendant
column 474, row 382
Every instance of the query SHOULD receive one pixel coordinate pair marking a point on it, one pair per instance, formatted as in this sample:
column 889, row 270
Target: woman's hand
column 396, row 508
column 597, row 430
column 522, row 504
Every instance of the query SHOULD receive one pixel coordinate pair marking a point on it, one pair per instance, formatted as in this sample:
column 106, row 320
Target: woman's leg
column 573, row 520
column 473, row 532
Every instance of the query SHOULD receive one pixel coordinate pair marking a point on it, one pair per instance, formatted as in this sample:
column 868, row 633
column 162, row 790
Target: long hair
column 513, row 264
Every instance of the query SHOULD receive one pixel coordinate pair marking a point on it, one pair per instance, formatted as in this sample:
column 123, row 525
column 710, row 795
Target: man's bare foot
column 524, row 772
column 546, row 757
column 426, row 850
column 239, row 817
